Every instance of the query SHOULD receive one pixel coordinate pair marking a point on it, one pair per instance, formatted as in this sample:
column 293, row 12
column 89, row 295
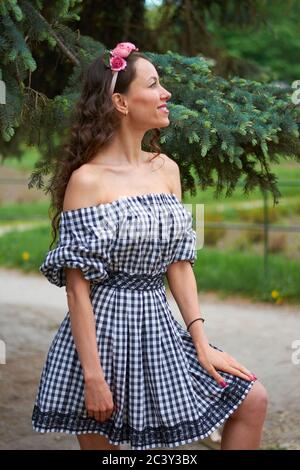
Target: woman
column 120, row 368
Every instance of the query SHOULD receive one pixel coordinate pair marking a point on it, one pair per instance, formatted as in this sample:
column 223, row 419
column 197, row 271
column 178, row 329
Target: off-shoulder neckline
column 123, row 198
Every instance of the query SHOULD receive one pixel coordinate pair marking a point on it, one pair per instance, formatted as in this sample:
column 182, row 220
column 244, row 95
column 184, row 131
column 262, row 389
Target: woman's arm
column 180, row 274
column 182, row 283
column 83, row 324
column 98, row 396
column 78, row 194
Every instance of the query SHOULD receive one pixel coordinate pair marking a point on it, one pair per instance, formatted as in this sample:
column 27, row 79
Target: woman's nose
column 168, row 95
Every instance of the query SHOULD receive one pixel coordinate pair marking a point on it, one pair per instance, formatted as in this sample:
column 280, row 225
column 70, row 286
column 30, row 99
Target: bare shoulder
column 169, row 161
column 81, row 189
column 172, row 173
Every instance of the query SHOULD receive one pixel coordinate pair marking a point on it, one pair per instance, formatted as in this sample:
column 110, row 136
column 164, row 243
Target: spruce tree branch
column 60, row 43
column 64, row 49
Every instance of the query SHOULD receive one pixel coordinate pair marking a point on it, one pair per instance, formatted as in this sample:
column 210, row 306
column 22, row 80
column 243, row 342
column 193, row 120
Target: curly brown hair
column 94, row 121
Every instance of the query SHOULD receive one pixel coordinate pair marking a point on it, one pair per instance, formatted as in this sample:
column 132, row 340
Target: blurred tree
column 190, row 28
column 214, row 28
column 223, row 128
column 113, row 21
column 275, row 46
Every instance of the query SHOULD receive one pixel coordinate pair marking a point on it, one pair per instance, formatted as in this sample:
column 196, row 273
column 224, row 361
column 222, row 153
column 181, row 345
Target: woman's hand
column 98, row 399
column 212, row 359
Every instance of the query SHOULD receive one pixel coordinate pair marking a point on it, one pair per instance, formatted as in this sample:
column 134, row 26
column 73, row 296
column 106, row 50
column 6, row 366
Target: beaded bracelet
column 200, row 318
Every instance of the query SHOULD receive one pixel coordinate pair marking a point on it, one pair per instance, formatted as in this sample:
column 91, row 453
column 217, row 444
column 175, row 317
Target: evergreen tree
column 223, row 129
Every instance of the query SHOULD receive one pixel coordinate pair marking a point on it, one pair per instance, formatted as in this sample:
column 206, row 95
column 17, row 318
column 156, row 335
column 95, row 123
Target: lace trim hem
column 168, row 436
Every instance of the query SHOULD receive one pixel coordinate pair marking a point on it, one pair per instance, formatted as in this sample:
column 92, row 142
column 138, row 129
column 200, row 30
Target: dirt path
column 258, row 335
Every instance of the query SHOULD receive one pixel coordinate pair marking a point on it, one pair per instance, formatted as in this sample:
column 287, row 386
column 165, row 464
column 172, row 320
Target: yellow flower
column 274, row 294
column 25, row 256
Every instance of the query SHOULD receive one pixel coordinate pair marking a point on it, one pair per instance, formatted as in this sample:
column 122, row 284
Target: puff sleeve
column 185, row 243
column 82, row 244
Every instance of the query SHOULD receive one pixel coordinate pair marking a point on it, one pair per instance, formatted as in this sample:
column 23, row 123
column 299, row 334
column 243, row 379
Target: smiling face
column 144, row 97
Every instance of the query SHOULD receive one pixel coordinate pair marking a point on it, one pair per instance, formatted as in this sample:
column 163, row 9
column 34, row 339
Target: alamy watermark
column 2, row 92
column 165, row 223
column 2, row 352
column 296, row 94
column 296, row 354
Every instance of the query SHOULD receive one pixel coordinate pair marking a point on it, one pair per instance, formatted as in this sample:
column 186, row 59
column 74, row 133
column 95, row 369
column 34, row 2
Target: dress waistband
column 123, row 280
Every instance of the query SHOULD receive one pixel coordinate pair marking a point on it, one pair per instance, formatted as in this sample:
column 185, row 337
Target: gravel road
column 259, row 335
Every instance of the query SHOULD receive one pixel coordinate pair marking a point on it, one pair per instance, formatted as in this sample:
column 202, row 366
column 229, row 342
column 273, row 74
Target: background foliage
column 229, row 119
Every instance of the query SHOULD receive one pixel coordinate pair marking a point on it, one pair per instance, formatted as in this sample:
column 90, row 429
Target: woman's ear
column 119, row 102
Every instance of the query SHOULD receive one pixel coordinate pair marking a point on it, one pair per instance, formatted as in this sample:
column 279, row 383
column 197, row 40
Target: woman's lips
column 163, row 109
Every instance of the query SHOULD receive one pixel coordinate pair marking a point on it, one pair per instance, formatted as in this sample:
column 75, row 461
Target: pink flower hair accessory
column 116, row 59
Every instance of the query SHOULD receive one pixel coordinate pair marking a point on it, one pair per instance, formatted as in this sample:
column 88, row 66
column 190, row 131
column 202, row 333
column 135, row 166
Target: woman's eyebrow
column 155, row 78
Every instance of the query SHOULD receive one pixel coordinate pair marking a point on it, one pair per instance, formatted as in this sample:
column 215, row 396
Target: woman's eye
column 153, row 84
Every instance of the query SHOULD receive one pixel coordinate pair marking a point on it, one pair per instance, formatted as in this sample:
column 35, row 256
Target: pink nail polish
column 223, row 384
column 254, row 377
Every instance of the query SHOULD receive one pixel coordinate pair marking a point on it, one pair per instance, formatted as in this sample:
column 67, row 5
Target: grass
column 30, row 156
column 15, row 213
column 24, row 249
column 286, row 171
column 288, row 206
column 227, row 272
column 232, row 272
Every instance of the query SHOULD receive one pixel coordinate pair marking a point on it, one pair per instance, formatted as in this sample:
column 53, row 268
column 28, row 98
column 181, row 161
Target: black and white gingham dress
column 164, row 397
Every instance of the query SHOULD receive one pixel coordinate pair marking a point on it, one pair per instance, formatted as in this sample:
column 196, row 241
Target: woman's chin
column 165, row 122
